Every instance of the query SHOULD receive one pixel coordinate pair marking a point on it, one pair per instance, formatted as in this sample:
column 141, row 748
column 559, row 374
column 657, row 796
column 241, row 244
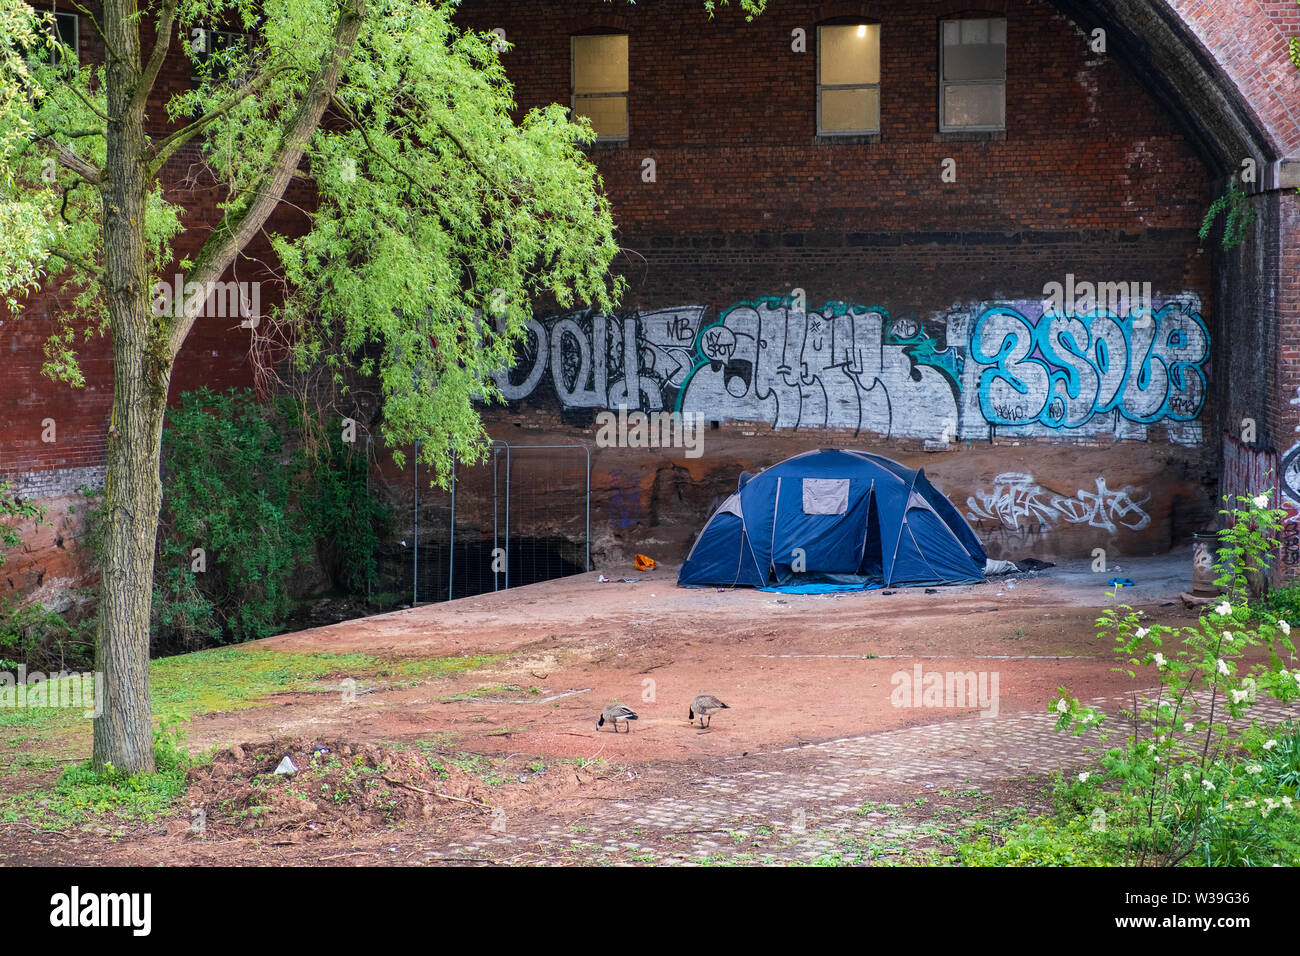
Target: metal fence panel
column 522, row 516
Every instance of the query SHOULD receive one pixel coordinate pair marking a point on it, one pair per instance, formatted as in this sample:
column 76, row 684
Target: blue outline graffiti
column 1063, row 369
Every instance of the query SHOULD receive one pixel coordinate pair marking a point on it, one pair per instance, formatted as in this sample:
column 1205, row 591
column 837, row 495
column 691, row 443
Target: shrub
column 1182, row 785
column 226, row 491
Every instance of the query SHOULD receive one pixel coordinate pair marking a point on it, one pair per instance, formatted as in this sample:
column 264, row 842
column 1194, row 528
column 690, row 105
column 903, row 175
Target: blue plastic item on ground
column 821, row 588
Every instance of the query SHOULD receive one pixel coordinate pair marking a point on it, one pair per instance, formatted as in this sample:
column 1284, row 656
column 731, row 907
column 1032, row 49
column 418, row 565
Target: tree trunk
column 124, row 731
column 141, row 373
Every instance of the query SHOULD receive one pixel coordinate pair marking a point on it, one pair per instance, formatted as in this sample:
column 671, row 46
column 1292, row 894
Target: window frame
column 626, row 94
column 76, row 34
column 880, row 106
column 944, row 84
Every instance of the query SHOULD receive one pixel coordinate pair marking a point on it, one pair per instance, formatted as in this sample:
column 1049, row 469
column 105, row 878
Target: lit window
column 600, row 83
column 848, row 79
column 973, row 75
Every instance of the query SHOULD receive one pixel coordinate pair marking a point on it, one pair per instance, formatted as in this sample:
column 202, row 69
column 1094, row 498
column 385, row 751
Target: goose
column 705, row 705
column 616, row 714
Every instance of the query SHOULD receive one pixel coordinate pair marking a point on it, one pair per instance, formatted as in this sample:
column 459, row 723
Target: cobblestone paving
column 814, row 809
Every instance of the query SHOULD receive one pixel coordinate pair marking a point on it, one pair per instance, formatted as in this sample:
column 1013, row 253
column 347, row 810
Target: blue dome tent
column 836, row 517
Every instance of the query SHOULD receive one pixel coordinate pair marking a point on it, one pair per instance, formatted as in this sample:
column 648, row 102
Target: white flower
column 1158, row 659
column 1297, row 677
column 1062, row 705
column 1223, row 667
column 1260, row 501
column 1239, row 695
column 1270, row 744
column 1083, row 777
column 1254, row 768
column 1227, row 636
column 1142, row 632
column 1223, row 609
column 1284, row 627
column 1207, row 785
column 1188, row 727
column 1286, row 802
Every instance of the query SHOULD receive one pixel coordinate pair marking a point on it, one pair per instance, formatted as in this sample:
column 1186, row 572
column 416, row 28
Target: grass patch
column 492, row 690
column 81, row 796
column 232, row 678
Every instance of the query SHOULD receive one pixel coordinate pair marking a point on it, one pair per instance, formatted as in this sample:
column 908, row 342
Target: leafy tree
column 433, row 204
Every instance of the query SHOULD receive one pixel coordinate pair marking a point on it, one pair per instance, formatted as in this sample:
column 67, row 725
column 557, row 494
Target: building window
column 973, row 75
column 848, row 79
column 600, row 84
column 66, row 32
column 215, row 52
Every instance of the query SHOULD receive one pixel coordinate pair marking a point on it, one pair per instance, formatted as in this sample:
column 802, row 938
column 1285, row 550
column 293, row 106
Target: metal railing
column 521, row 516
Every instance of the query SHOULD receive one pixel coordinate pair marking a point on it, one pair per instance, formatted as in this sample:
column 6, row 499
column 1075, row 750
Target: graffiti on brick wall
column 843, row 367
column 1248, row 472
column 1062, row 370
column 637, row 359
column 1012, row 368
column 1018, row 501
column 1288, row 471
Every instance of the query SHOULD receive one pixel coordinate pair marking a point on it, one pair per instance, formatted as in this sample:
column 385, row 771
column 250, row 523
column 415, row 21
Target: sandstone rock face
column 52, row 564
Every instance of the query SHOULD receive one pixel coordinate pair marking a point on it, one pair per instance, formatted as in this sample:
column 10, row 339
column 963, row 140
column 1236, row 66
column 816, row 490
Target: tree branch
column 237, row 227
column 163, row 150
column 74, row 259
column 108, row 44
column 89, row 105
column 162, row 40
column 70, row 160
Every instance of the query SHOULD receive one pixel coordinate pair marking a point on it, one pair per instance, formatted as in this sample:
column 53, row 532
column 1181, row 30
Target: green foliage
column 346, row 521
column 1279, row 604
column 1240, row 216
column 1293, row 48
column 82, row 795
column 43, row 639
column 13, row 510
column 1180, row 784
column 226, row 491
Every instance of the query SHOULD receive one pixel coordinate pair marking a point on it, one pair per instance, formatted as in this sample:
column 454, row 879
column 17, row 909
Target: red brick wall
column 215, row 354
column 1090, row 177
column 728, row 112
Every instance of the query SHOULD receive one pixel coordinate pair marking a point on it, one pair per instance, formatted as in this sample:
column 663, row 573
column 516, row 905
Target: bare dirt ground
column 505, row 764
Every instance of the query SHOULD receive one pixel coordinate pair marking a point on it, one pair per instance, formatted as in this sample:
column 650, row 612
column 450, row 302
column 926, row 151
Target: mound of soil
column 338, row 787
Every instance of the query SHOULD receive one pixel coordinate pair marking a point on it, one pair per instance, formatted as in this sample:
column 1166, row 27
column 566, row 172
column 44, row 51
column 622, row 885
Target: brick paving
column 817, row 806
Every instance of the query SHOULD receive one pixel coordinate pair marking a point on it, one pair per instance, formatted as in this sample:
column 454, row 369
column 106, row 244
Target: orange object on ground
column 644, row 564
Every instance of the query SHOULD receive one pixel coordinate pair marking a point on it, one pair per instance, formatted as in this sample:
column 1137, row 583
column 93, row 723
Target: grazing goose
column 616, row 714
column 705, row 705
